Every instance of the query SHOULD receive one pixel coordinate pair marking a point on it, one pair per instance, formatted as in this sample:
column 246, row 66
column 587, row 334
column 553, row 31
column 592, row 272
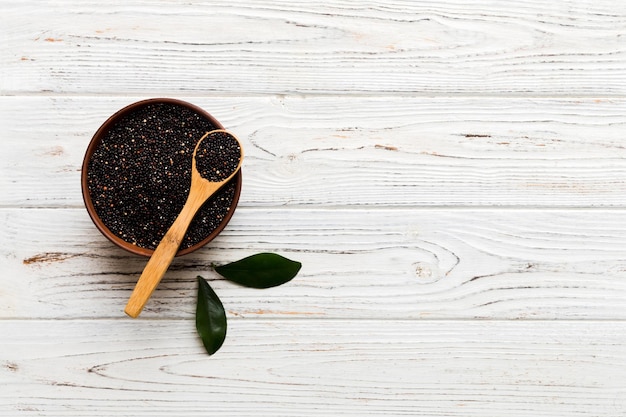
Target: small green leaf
column 210, row 317
column 263, row 270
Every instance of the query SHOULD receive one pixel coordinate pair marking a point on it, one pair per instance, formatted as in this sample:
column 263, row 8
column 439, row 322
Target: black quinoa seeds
column 140, row 174
column 218, row 156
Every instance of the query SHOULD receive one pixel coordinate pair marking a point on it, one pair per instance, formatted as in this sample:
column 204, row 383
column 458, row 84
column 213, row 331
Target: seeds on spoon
column 217, row 156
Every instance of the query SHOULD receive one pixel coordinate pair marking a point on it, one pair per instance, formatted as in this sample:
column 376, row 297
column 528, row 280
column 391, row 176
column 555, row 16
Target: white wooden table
column 452, row 175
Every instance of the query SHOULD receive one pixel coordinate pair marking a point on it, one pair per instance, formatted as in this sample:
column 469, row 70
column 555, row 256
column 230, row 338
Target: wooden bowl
column 96, row 141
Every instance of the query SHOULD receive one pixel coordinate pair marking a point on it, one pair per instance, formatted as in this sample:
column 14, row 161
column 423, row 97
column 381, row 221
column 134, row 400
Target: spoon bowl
column 217, row 157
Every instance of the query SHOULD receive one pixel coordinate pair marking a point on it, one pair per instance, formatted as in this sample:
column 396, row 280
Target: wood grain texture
column 345, row 47
column 338, row 151
column 451, row 174
column 313, row 367
column 357, row 263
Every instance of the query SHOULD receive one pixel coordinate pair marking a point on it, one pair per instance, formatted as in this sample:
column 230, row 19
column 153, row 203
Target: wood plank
column 357, row 263
column 267, row 47
column 338, row 151
column 311, row 367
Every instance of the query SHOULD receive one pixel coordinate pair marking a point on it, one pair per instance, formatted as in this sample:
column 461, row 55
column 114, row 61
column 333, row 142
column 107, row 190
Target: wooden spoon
column 216, row 159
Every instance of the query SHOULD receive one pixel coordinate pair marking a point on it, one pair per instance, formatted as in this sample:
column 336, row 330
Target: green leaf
column 210, row 317
column 263, row 270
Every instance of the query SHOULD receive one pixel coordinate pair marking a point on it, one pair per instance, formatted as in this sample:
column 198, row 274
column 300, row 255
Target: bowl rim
column 95, row 141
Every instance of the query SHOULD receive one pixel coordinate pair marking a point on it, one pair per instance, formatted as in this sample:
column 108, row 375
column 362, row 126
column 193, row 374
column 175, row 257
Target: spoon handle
column 161, row 258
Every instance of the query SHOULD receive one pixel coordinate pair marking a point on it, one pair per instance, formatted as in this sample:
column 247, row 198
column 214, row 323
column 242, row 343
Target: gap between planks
column 300, row 95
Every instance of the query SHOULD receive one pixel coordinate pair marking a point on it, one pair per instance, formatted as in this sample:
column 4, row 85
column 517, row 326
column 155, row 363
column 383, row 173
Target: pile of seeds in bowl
column 140, row 174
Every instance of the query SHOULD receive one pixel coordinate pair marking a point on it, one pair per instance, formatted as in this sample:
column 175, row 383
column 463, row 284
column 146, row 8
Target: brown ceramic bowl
column 203, row 236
